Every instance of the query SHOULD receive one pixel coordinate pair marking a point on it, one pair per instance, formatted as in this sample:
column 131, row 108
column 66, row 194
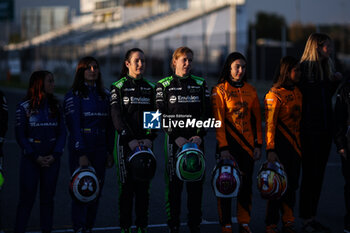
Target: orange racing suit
column 236, row 105
column 283, row 113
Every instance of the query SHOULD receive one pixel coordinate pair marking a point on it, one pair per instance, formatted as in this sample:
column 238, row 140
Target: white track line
column 204, row 222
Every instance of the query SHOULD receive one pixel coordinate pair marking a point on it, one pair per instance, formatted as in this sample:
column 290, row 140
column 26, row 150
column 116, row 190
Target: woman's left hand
column 257, row 153
column 49, row 159
column 146, row 142
column 196, row 139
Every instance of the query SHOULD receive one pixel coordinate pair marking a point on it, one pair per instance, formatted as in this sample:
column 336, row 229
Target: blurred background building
column 54, row 34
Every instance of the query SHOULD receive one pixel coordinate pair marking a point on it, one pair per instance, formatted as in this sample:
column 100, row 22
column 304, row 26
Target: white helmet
column 84, row 185
column 226, row 179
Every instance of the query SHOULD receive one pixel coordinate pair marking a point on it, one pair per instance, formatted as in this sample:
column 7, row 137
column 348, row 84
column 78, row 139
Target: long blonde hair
column 312, row 58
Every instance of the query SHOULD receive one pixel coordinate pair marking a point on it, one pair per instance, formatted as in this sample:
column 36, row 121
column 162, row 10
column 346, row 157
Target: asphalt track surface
column 330, row 212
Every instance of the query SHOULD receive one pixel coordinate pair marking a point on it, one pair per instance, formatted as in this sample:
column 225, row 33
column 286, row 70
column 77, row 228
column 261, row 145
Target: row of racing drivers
column 90, row 111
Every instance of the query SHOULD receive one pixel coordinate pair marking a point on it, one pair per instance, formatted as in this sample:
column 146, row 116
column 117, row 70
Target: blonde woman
column 318, row 84
column 182, row 94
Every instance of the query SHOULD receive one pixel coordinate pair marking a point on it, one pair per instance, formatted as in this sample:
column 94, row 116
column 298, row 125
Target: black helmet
column 142, row 164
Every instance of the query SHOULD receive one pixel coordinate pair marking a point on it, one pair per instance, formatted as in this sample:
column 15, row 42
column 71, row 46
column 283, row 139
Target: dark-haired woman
column 40, row 132
column 318, row 83
column 131, row 96
column 236, row 105
column 90, row 136
column 283, row 113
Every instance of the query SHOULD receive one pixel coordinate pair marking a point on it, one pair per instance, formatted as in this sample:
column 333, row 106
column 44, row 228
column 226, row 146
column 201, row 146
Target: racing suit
column 3, row 130
column 180, row 98
column 342, row 141
column 38, row 133
column 283, row 113
column 130, row 98
column 237, row 106
column 90, row 134
column 315, row 136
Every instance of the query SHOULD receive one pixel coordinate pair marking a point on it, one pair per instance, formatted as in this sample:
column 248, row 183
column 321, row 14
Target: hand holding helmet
column 133, row 144
column 196, row 139
column 225, row 154
column 84, row 161
column 180, row 141
column 272, row 157
column 146, row 142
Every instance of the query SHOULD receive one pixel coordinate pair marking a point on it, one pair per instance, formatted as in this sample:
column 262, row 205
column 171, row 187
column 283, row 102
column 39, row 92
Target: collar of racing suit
column 134, row 79
column 235, row 84
column 86, row 84
column 180, row 78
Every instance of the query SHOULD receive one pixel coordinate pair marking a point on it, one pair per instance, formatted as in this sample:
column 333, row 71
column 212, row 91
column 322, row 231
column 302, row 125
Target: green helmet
column 190, row 163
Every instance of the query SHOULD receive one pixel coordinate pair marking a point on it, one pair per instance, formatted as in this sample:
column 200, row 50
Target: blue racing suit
column 90, row 134
column 38, row 133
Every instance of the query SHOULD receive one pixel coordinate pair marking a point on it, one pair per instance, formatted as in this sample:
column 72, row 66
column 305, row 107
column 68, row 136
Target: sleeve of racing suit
column 110, row 128
column 161, row 105
column 272, row 107
column 73, row 113
column 218, row 105
column 151, row 134
column 21, row 130
column 3, row 120
column 206, row 109
column 117, row 117
column 341, row 116
column 256, row 114
column 61, row 136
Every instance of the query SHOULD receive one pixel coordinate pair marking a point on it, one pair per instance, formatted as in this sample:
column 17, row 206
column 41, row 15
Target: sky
column 310, row 11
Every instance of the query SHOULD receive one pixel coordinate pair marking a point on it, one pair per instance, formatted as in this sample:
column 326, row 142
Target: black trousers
column 130, row 191
column 290, row 160
column 174, row 187
column 346, row 174
column 244, row 198
column 315, row 152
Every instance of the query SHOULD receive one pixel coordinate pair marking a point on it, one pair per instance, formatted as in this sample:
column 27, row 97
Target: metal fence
column 209, row 55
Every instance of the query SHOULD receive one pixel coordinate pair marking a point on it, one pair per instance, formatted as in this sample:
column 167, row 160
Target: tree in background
column 269, row 26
